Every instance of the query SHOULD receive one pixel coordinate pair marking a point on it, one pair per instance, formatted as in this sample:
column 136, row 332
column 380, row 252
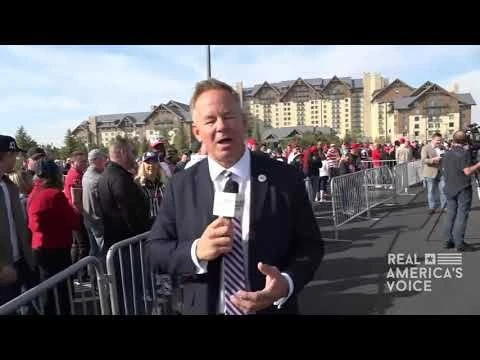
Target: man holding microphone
column 237, row 226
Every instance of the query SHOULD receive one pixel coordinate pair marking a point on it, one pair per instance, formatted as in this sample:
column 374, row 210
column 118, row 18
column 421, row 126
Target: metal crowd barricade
column 379, row 186
column 369, row 164
column 407, row 174
column 355, row 194
column 135, row 288
column 348, row 199
column 61, row 294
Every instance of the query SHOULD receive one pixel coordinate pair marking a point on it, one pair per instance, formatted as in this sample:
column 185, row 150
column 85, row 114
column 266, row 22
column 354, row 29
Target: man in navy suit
column 256, row 262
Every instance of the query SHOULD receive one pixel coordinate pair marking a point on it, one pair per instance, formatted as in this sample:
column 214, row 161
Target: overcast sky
column 49, row 89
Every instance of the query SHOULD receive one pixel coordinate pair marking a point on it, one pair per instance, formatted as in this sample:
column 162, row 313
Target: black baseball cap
column 36, row 153
column 8, row 144
column 150, row 155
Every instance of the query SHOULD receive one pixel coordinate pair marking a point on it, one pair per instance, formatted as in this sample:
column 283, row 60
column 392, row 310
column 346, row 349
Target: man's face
column 32, row 164
column 100, row 163
column 7, row 164
column 220, row 125
column 80, row 162
column 160, row 150
column 436, row 141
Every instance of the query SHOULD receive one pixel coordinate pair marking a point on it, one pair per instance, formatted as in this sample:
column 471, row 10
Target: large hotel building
column 372, row 108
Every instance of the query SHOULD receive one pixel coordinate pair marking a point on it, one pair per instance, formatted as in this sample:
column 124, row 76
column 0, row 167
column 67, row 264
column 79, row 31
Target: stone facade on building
column 161, row 120
column 370, row 107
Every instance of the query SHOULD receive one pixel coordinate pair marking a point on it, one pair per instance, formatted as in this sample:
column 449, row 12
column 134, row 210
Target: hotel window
column 417, row 126
column 451, row 124
column 416, row 133
column 417, row 118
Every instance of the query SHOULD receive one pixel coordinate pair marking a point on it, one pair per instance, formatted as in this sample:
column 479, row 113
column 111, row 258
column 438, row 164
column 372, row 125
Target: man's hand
column 216, row 240
column 276, row 287
column 8, row 275
column 436, row 159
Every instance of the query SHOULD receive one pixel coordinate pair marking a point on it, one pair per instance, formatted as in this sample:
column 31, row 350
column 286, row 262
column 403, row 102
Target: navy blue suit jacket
column 283, row 232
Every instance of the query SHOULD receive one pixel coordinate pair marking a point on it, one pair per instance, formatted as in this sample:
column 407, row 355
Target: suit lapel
column 205, row 193
column 259, row 185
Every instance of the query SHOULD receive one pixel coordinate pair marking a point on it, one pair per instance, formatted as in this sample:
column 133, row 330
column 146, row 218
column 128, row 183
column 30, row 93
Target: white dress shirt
column 13, row 230
column 194, row 159
column 241, row 173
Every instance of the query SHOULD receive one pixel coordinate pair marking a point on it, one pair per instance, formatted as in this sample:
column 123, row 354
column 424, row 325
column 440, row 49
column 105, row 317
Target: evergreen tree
column 24, row 141
column 143, row 147
column 308, row 139
column 135, row 145
column 164, row 133
column 348, row 139
column 52, row 151
column 104, row 150
column 72, row 145
column 180, row 142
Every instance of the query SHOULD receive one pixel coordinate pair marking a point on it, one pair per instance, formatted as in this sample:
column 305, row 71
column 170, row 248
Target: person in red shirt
column 51, row 220
column 73, row 193
column 377, row 155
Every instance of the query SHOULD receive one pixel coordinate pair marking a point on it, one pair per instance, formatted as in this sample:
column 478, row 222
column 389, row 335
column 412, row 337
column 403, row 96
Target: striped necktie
column 233, row 262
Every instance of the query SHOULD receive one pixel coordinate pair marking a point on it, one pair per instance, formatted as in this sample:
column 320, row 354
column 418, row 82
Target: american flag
column 449, row 259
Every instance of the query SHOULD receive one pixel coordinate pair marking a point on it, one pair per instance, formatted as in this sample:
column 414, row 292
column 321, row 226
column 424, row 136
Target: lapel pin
column 262, row 178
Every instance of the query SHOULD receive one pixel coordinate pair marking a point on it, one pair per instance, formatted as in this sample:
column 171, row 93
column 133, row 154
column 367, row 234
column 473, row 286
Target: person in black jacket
column 125, row 208
column 126, row 213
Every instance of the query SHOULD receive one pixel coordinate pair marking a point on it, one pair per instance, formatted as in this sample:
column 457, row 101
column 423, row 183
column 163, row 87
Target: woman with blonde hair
column 152, row 179
column 24, row 180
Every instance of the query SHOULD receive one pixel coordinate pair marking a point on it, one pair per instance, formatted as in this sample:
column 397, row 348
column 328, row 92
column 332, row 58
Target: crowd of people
column 320, row 162
column 53, row 214
column 57, row 213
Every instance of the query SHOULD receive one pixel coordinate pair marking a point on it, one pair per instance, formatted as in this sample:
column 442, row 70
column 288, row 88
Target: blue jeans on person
column 96, row 243
column 315, row 181
column 458, row 209
column 435, row 192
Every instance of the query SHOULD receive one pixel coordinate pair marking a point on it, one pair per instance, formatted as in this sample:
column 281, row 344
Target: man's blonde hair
column 212, row 84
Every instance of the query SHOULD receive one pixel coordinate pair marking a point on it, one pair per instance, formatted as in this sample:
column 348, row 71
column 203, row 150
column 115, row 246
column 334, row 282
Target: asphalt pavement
column 354, row 277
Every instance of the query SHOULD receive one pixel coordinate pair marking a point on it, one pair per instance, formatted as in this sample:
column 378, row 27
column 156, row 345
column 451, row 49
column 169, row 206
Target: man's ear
column 196, row 132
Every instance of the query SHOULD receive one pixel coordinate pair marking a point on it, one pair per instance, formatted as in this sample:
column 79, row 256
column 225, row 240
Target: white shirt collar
column 241, row 168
